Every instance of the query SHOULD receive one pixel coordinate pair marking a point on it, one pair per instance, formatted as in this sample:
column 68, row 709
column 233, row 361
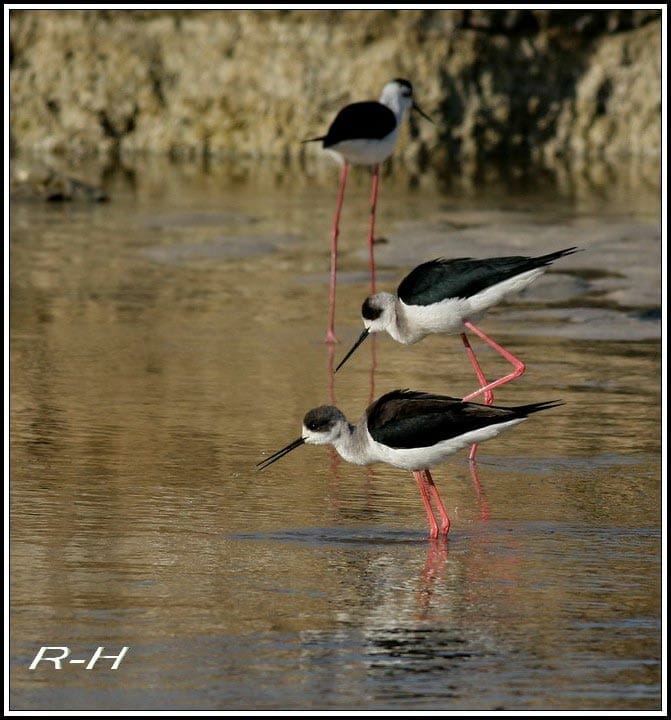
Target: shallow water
column 164, row 343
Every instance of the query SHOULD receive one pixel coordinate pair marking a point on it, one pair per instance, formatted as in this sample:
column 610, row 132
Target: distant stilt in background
column 364, row 133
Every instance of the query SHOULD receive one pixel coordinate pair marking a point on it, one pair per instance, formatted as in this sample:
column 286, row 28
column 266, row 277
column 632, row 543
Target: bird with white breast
column 364, row 133
column 409, row 430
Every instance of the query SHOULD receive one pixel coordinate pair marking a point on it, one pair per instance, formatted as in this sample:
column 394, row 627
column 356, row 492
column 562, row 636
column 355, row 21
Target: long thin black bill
column 279, row 454
column 362, row 337
column 415, row 106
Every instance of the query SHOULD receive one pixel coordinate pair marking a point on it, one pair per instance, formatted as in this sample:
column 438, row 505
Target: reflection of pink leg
column 482, row 500
column 433, row 490
column 433, row 571
column 435, row 560
column 371, row 228
column 335, row 461
column 330, row 333
column 489, row 395
column 424, row 492
column 373, row 367
column 335, row 458
column 517, row 364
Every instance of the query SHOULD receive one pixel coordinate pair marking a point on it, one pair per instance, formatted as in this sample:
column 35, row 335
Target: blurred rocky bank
column 509, row 86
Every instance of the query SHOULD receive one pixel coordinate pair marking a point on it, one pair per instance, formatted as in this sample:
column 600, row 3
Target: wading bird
column 446, row 296
column 364, row 133
column 409, row 430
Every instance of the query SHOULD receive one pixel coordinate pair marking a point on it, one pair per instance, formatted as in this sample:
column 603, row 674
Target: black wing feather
column 367, row 120
column 439, row 279
column 410, row 419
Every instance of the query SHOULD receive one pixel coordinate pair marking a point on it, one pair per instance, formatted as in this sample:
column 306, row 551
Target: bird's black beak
column 362, row 337
column 280, row 453
column 415, row 106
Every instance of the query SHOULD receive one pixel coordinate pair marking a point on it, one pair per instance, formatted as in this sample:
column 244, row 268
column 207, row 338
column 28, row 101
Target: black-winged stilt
column 409, row 430
column 364, row 133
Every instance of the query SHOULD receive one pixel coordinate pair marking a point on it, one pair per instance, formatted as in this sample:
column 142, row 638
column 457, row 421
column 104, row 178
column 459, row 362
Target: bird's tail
column 314, row 139
column 524, row 410
column 551, row 257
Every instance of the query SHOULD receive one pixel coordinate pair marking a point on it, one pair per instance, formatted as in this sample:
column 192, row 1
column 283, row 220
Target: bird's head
column 399, row 96
column 378, row 313
column 322, row 425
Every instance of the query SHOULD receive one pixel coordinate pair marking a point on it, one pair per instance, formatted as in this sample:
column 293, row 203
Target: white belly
column 428, row 457
column 365, row 152
column 447, row 316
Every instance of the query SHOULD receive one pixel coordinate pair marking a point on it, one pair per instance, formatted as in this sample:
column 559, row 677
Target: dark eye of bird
column 369, row 310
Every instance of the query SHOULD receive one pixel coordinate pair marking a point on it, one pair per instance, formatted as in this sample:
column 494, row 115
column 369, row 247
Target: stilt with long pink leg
column 365, row 133
column 409, row 429
column 446, row 296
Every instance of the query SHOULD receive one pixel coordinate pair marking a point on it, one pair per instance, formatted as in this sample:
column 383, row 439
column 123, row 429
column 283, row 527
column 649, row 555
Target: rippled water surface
column 165, row 342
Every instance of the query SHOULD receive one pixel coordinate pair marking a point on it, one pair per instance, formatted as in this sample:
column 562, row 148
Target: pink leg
column 371, row 228
column 330, row 333
column 331, row 375
column 424, row 492
column 517, row 364
column 489, row 395
column 433, row 490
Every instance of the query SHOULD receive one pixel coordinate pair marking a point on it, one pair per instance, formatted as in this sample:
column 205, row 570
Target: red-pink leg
column 489, row 395
column 330, row 333
column 517, row 364
column 433, row 490
column 424, row 492
column 371, row 227
column 331, row 375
